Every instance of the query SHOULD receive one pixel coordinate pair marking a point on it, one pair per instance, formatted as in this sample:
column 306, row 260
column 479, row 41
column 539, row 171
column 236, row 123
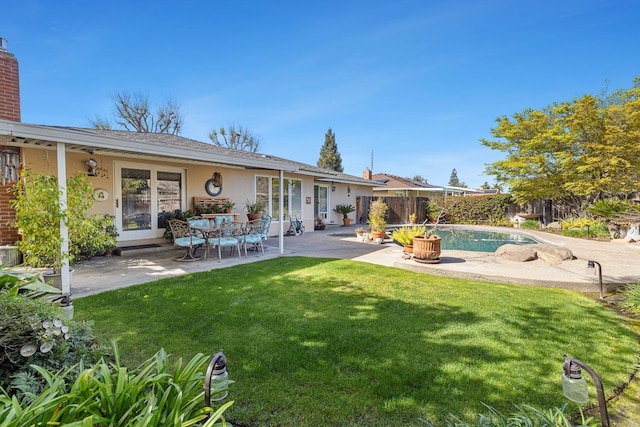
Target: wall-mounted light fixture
column 333, row 187
column 92, row 166
column 9, row 164
column 93, row 169
column 348, row 190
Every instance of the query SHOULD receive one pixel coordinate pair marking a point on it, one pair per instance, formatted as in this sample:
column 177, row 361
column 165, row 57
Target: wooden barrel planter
column 427, row 249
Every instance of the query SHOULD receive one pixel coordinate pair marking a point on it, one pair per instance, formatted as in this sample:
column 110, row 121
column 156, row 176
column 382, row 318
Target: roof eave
column 47, row 133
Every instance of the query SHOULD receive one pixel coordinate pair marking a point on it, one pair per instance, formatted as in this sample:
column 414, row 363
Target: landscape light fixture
column 216, row 382
column 593, row 264
column 575, row 387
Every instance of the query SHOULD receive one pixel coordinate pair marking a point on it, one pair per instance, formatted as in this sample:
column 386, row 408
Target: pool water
column 465, row 239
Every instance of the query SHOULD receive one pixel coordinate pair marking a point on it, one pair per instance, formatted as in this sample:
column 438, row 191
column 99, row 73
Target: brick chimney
column 9, row 110
column 9, row 84
column 367, row 174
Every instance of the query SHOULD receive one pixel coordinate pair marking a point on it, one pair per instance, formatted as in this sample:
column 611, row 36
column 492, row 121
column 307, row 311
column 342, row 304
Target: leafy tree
column 235, row 137
column 329, row 156
column 133, row 113
column 418, row 178
column 571, row 152
column 454, row 181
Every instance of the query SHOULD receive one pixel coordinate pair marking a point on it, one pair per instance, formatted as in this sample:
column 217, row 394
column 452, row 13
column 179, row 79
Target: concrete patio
column 619, row 261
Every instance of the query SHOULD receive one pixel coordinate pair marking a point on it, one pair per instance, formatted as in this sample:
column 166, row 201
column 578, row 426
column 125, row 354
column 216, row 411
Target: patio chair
column 184, row 237
column 229, row 236
column 253, row 235
column 201, row 227
column 267, row 224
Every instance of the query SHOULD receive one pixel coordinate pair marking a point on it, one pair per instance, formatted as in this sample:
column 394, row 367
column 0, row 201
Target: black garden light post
column 575, row 387
column 216, row 381
column 593, row 264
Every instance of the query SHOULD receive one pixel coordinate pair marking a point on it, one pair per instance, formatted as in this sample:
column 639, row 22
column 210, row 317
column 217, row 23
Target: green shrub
column 608, row 208
column 38, row 217
column 525, row 416
column 631, row 301
column 471, row 210
column 530, row 224
column 96, row 235
column 583, row 227
column 34, row 331
column 109, row 394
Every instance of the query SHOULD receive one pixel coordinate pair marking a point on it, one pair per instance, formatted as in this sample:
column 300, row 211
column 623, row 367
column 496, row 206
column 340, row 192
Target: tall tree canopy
column 329, row 156
column 454, row 181
column 235, row 137
column 133, row 113
column 573, row 152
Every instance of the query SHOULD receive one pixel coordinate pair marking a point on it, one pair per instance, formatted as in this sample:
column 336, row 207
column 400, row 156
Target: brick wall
column 9, row 87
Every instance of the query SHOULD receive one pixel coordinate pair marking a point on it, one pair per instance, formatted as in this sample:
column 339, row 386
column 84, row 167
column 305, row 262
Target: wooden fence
column 399, row 208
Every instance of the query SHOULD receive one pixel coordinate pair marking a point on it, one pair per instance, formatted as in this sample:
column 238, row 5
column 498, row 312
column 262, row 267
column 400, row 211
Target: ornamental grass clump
column 111, row 394
column 631, row 299
column 405, row 234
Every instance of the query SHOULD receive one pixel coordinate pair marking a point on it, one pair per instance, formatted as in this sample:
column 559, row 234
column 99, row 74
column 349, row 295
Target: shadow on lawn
column 317, row 341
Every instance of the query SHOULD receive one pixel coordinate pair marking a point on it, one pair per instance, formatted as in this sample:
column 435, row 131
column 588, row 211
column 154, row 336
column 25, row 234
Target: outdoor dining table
column 210, row 231
column 207, row 232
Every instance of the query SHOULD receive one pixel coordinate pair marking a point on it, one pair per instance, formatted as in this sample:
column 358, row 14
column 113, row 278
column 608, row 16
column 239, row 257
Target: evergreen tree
column 454, row 181
column 329, row 156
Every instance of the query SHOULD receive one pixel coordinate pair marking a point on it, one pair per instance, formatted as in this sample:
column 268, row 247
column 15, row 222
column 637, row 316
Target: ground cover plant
column 335, row 342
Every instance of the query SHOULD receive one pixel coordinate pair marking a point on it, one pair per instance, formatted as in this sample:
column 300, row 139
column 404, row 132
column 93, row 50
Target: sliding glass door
column 146, row 195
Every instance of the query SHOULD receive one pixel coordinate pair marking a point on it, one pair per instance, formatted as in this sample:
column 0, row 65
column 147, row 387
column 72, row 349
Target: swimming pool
column 479, row 240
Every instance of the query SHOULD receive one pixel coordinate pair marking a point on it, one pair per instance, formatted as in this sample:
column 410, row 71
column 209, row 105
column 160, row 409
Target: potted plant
column 38, row 217
column 412, row 218
column 377, row 218
column 254, row 209
column 404, row 236
column 433, row 211
column 426, row 248
column 228, row 206
column 319, row 224
column 344, row 210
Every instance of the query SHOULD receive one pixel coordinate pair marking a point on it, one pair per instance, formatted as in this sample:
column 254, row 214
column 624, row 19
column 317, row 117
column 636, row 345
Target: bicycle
column 296, row 227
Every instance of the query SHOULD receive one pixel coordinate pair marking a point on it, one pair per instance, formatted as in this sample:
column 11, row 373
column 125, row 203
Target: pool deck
column 619, row 260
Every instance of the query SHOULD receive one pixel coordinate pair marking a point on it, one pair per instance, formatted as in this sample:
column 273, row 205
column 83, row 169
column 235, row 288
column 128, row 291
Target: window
column 268, row 190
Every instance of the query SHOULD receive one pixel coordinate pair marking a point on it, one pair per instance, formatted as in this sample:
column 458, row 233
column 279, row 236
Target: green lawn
column 316, row 341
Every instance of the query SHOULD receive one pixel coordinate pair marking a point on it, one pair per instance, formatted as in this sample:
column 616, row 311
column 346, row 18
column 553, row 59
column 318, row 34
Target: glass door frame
column 154, row 232
column 316, row 208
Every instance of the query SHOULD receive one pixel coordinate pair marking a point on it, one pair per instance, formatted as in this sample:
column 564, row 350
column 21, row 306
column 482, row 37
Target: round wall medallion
column 100, row 194
column 213, row 187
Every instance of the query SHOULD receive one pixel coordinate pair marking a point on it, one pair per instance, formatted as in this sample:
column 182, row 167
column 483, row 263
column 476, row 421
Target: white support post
column 64, row 231
column 281, row 207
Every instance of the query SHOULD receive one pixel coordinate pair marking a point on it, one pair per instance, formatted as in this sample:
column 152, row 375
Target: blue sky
column 416, row 82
